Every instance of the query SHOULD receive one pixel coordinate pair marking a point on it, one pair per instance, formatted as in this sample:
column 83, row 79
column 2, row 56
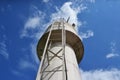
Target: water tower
column 60, row 51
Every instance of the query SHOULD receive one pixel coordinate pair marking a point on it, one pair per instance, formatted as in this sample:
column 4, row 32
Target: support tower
column 60, row 51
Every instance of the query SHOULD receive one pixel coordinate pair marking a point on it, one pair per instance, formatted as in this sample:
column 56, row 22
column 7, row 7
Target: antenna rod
column 68, row 19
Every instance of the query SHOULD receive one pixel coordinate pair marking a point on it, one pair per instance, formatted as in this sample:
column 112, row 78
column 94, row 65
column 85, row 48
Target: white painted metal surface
column 58, row 25
column 71, row 62
column 60, row 55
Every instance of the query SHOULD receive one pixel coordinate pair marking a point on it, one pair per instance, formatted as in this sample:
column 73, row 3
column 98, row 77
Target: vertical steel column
column 63, row 46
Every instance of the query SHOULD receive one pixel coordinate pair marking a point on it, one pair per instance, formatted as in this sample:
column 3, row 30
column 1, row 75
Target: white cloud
column 34, row 24
column 112, row 74
column 86, row 35
column 72, row 9
column 81, row 1
column 92, row 1
column 3, row 45
column 111, row 55
column 3, row 50
column 68, row 10
column 26, row 64
column 16, row 72
column 45, row 1
column 33, row 28
column 34, row 53
column 113, row 52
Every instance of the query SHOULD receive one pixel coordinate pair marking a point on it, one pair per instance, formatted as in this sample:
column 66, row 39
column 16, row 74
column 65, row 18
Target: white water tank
column 60, row 51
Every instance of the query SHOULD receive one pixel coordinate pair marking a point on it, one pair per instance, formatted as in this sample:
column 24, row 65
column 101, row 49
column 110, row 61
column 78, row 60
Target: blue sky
column 22, row 22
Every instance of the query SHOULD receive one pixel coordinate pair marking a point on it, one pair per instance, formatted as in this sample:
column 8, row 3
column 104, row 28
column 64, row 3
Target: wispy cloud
column 82, row 1
column 33, row 28
column 5, row 8
column 3, row 45
column 26, row 64
column 33, row 24
column 16, row 72
column 3, row 50
column 87, row 34
column 68, row 9
column 45, row 1
column 113, row 52
column 34, row 55
column 73, row 9
column 92, row 1
column 111, row 55
column 112, row 74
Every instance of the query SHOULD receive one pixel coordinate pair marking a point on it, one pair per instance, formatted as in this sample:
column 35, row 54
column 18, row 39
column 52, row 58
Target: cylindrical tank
column 60, row 50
